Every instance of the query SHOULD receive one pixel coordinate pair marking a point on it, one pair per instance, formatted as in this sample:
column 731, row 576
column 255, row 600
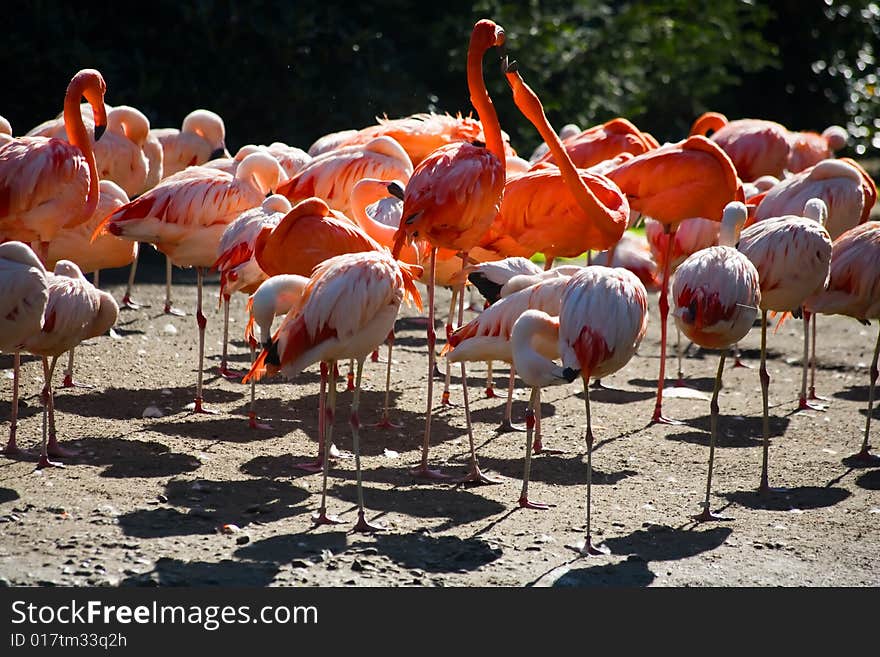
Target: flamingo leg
column 444, row 400
column 812, row 392
column 423, row 471
column 11, row 447
column 202, row 322
column 658, row 417
column 253, row 423
column 474, row 475
column 362, row 525
column 803, row 404
column 490, row 384
column 764, row 486
column 679, row 383
column 737, row 358
column 864, row 456
column 507, row 424
column 169, row 309
column 224, row 370
column 44, row 461
column 321, row 517
column 588, row 548
column 350, row 378
column 539, row 444
column 385, row 422
column 530, row 425
column 707, row 514
column 318, row 464
column 127, row 301
column 68, row 381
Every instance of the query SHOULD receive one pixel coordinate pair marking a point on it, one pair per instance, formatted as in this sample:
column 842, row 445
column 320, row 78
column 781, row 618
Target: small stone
column 300, row 563
column 243, row 540
column 361, row 565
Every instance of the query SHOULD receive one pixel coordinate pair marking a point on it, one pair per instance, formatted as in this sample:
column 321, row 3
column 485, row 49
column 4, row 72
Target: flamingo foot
column 490, row 393
column 198, row 408
column 386, row 423
column 864, row 458
column 812, row 396
column 538, row 448
column 424, row 472
column 507, row 426
column 437, row 373
column 587, row 549
column 366, row 527
column 12, row 449
column 350, row 385
column 659, row 418
column 598, row 385
column 54, row 449
column 228, row 374
column 477, row 477
column 171, row 310
column 738, row 363
column 254, row 424
column 310, row 466
column 374, row 357
column 804, row 405
column 524, row 503
column 321, row 518
column 765, row 489
column 707, row 515
column 44, row 462
column 131, row 304
column 68, row 382
column 444, row 399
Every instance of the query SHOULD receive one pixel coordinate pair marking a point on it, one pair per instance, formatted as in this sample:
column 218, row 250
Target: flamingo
column 347, row 309
column 566, row 131
column 602, row 142
column 185, row 216
column 274, row 296
column 106, row 252
column 75, row 311
column 603, row 318
column 24, row 291
column 691, row 178
column 716, row 295
column 531, row 329
column 792, row 254
column 487, row 336
column 5, row 130
column 450, row 201
column 808, row 148
column 853, row 291
column 633, row 252
column 330, row 141
column 239, row 271
column 48, row 184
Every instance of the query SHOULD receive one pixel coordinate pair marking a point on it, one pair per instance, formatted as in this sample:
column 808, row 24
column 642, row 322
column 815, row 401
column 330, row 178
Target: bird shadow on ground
column 131, row 458
column 869, row 480
column 732, row 432
column 556, row 469
column 25, row 409
column 495, row 413
column 228, row 572
column 129, row 403
column 857, row 393
column 7, row 360
column 436, row 554
column 456, row 506
column 226, row 428
column 703, row 384
column 288, row 547
column 215, row 503
column 8, row 495
column 633, row 572
column 802, row 497
column 663, row 543
column 606, row 395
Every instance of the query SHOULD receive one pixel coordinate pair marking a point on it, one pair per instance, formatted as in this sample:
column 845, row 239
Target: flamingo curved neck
column 482, row 102
column 77, row 135
column 362, row 196
column 530, row 105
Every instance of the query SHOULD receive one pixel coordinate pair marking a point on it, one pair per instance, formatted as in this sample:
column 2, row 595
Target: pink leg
column 224, row 370
column 362, row 525
column 385, row 422
column 588, row 548
column 444, row 400
column 202, row 322
column 658, row 416
column 737, row 358
column 68, row 381
column 812, row 392
column 169, row 309
column 507, row 424
column 864, row 456
column 325, row 419
column 127, row 301
column 530, row 425
column 321, row 517
column 12, row 448
column 46, row 396
column 253, row 423
column 803, row 403
column 707, row 513
column 490, row 384
column 539, row 444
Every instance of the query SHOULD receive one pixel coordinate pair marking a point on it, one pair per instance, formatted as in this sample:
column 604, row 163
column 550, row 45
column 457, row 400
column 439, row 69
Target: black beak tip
column 99, row 130
column 395, row 190
column 218, row 153
column 570, row 374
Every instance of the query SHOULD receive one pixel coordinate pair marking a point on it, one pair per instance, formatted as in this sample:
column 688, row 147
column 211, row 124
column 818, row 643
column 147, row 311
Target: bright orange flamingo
column 602, row 142
column 602, row 320
column 691, row 178
column 716, row 296
column 854, row 290
column 48, row 184
column 450, row 201
column 347, row 310
column 185, row 216
column 24, row 291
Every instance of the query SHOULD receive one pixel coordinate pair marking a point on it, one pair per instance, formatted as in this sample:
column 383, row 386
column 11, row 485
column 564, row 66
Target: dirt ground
column 142, row 501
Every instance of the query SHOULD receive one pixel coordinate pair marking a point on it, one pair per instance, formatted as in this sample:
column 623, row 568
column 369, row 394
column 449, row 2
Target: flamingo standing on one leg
column 274, row 296
column 347, row 310
column 602, row 320
column 854, row 290
column 792, row 255
column 450, row 201
column 24, row 291
column 185, row 216
column 716, row 294
column 239, row 271
column 76, row 310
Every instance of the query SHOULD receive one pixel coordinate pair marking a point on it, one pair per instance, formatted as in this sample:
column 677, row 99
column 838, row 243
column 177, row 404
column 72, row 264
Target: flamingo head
column 89, row 84
column 486, row 34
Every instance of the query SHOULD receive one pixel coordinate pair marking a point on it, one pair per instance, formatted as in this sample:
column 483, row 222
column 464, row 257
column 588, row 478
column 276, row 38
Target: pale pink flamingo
column 854, row 290
column 330, row 141
column 48, row 184
column 76, row 311
column 716, row 295
column 633, row 252
column 602, row 320
column 274, row 296
column 792, row 254
column 450, row 201
column 757, row 147
column 5, row 130
column 239, row 271
column 185, row 215
column 24, row 291
column 347, row 310
column 808, row 148
column 601, row 142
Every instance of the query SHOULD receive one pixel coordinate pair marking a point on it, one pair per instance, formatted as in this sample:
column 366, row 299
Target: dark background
column 293, row 71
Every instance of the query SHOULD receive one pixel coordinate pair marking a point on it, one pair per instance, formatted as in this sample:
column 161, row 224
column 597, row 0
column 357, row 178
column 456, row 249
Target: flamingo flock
column 754, row 218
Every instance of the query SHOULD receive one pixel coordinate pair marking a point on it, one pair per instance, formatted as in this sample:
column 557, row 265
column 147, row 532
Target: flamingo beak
column 100, row 128
column 218, row 153
column 570, row 374
column 395, row 189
